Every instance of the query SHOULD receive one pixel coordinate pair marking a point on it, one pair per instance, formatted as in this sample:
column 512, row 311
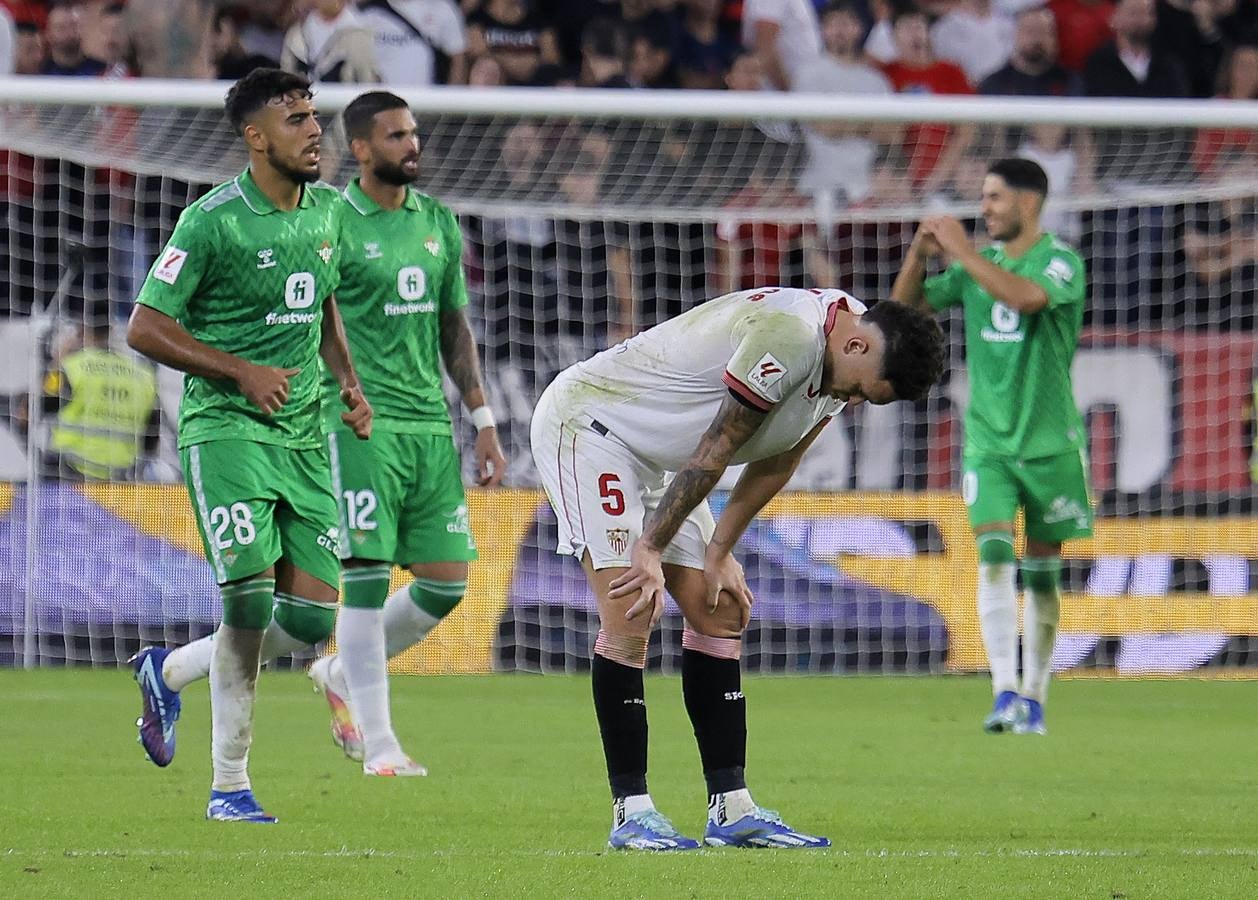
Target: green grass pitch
column 1143, row 789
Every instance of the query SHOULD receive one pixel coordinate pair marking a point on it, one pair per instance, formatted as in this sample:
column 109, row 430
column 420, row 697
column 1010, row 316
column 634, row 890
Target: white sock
column 277, row 642
column 405, row 624
column 360, row 652
column 233, row 683
column 998, row 616
column 730, row 806
column 191, row 662
column 188, row 663
column 1039, row 626
column 624, row 807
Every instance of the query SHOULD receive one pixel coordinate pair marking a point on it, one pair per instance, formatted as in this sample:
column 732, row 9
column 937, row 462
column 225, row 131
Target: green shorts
column 401, row 497
column 256, row 503
column 1053, row 491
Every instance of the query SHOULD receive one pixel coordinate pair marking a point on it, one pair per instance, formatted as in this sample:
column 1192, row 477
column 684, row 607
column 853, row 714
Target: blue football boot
column 760, row 828
column 160, row 706
column 1004, row 714
column 649, row 830
column 237, row 806
column 1030, row 718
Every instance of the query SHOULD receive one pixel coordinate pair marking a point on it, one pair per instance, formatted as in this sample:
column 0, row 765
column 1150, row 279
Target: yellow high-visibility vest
column 99, row 431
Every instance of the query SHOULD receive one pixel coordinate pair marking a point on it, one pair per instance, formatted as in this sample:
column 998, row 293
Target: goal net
column 587, row 217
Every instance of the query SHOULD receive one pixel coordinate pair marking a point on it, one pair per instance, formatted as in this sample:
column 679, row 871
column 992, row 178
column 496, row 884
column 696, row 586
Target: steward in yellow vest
column 105, row 404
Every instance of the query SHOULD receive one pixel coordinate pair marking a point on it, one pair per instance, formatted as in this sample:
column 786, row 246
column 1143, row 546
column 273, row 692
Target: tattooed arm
column 733, row 426
column 458, row 351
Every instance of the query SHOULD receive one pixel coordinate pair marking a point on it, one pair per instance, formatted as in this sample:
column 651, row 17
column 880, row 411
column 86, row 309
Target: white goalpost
column 589, row 215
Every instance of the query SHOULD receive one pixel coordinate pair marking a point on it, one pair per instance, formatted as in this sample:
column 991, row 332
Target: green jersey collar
column 365, row 206
column 259, row 203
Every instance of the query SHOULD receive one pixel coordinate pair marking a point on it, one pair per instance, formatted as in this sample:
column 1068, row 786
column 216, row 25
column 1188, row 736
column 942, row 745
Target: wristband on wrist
column 483, row 417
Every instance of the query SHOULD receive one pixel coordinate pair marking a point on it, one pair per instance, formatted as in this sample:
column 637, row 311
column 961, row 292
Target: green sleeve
column 180, row 268
column 341, row 248
column 454, row 288
column 944, row 290
column 1063, row 278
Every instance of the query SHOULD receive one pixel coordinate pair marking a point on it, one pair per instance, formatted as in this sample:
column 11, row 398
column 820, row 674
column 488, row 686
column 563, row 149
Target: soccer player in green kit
column 1025, row 443
column 241, row 301
column 401, row 493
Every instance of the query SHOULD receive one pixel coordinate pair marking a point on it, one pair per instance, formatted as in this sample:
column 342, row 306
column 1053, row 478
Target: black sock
column 621, row 711
column 718, row 712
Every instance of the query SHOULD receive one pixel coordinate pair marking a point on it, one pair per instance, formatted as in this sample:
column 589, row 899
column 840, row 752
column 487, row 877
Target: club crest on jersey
column 766, row 372
column 266, row 259
column 618, row 540
column 325, row 252
column 432, row 246
column 372, row 249
column 171, row 264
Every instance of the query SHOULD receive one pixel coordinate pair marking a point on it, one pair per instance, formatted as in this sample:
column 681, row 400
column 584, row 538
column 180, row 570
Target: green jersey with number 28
column 249, row 279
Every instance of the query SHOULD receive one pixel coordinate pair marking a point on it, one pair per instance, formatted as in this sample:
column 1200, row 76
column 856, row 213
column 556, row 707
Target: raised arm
column 1014, row 291
column 908, row 282
column 334, row 348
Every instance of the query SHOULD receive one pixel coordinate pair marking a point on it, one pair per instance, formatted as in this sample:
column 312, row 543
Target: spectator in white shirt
column 418, row 40
column 331, row 43
column 976, row 36
column 880, row 42
column 785, row 34
column 8, row 42
column 842, row 156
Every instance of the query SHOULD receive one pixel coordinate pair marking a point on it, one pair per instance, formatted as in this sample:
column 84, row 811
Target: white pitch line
column 874, row 853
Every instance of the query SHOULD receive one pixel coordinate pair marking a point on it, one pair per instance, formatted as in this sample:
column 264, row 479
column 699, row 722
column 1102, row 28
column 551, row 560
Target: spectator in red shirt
column 1217, row 148
column 931, row 151
column 1082, row 28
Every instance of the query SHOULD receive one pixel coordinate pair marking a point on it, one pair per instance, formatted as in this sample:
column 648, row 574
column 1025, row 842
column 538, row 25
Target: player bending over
column 1025, row 444
column 402, row 296
column 241, row 300
column 630, row 442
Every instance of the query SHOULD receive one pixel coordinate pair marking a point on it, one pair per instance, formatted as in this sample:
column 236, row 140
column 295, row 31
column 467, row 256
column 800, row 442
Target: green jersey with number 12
column 1022, row 403
column 249, row 279
column 400, row 270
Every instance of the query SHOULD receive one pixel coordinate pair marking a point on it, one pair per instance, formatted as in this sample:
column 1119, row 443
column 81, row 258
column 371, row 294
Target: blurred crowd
column 1148, row 48
column 1098, row 48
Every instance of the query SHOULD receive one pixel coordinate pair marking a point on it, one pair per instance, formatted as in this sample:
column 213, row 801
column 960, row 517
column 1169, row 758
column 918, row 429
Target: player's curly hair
column 257, row 89
column 914, row 356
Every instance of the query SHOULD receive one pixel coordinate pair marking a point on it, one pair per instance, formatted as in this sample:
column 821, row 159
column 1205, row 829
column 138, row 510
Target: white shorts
column 602, row 493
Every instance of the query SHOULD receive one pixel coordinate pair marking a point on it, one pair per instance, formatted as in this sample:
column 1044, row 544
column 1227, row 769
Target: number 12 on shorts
column 360, row 507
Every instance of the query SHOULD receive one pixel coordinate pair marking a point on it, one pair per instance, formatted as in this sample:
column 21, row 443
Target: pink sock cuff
column 628, row 651
column 721, row 648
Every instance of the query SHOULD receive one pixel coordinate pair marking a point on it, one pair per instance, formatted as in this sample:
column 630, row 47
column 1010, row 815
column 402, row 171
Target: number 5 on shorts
column 612, row 496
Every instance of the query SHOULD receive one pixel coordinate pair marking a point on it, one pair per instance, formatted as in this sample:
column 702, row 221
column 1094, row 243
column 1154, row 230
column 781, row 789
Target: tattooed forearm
column 733, row 426
column 458, row 350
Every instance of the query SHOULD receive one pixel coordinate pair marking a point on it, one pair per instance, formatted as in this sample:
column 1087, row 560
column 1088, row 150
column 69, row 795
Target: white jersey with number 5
column 660, row 390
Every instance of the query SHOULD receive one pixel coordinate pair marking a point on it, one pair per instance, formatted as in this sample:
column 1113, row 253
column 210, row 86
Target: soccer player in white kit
column 629, row 444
